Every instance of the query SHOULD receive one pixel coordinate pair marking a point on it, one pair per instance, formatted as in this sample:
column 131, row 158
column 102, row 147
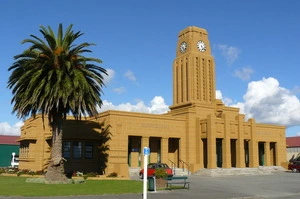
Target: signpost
column 145, row 175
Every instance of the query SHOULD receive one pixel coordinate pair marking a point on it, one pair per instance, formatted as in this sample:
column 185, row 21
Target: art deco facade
column 198, row 132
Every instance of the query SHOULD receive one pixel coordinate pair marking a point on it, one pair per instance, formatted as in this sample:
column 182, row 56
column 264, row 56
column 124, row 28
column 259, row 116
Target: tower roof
column 192, row 29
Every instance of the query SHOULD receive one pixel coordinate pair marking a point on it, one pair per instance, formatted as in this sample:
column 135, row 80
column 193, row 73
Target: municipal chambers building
column 198, row 132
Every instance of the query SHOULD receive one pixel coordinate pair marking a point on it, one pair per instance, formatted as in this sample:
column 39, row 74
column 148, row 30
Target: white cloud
column 7, row 129
column 244, row 73
column 267, row 102
column 129, row 74
column 119, row 90
column 110, row 75
column 229, row 52
column 219, row 94
column 156, row 106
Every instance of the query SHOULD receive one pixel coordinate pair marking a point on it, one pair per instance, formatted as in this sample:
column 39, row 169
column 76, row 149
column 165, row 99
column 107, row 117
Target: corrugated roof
column 293, row 141
column 9, row 139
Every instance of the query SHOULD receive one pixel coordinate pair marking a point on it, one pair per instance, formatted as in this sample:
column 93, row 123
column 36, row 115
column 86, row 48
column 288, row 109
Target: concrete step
column 181, row 172
column 239, row 171
column 134, row 171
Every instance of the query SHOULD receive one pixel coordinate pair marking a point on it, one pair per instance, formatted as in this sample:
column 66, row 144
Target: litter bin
column 151, row 184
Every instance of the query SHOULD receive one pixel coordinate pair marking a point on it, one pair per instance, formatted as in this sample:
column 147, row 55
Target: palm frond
column 52, row 76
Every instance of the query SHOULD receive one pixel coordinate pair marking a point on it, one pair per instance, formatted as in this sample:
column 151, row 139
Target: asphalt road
column 278, row 186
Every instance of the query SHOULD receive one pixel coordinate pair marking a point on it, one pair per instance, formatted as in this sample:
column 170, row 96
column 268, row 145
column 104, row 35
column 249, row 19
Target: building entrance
column 219, row 152
column 173, row 152
column 155, row 148
column 273, row 153
column 246, row 149
column 233, row 152
column 134, row 151
column 261, row 153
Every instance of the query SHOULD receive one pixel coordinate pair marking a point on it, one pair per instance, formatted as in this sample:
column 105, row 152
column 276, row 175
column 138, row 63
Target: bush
column 160, row 173
column 113, row 174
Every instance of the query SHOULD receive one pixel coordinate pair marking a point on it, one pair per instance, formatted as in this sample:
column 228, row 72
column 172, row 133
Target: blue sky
column 256, row 46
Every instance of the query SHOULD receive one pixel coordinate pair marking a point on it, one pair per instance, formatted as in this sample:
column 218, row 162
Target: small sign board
column 146, row 151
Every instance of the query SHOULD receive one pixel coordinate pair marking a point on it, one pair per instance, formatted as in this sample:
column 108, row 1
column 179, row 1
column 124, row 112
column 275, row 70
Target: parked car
column 294, row 163
column 153, row 166
column 294, row 166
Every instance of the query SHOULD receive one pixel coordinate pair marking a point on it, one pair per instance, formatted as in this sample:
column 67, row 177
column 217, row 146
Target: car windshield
column 154, row 166
column 163, row 166
column 151, row 166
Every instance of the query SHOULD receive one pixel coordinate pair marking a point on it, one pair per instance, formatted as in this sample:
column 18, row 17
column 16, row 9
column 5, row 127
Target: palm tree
column 54, row 78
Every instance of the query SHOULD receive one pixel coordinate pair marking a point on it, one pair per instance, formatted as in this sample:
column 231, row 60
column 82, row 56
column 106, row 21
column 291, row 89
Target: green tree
column 53, row 77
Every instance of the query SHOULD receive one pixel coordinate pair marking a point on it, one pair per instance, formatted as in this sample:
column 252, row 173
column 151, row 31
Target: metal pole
column 145, row 174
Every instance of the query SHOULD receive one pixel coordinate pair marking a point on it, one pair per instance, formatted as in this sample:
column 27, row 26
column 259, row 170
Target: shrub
column 160, row 173
column 113, row 174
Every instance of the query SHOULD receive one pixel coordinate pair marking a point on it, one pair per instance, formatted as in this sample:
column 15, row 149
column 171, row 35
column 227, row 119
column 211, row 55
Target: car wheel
column 294, row 170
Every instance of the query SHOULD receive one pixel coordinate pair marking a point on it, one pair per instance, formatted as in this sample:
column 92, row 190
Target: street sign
column 146, row 151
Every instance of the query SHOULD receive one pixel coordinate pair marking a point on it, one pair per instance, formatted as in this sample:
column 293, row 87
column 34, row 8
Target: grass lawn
column 10, row 186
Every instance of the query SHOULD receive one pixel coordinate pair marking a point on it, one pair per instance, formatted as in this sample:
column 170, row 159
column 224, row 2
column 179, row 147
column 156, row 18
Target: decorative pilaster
column 226, row 152
column 211, row 142
column 164, row 149
column 253, row 145
column 267, row 154
column 240, row 148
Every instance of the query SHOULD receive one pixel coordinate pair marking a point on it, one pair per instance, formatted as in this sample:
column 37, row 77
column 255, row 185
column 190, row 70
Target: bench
column 175, row 180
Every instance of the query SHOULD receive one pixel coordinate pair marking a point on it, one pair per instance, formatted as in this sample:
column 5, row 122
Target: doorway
column 246, row 149
column 261, row 153
column 134, row 151
column 273, row 153
column 233, row 152
column 173, row 151
column 155, row 147
column 219, row 152
column 204, row 141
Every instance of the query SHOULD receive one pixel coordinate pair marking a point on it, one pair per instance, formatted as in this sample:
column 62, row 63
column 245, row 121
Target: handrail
column 173, row 166
column 187, row 165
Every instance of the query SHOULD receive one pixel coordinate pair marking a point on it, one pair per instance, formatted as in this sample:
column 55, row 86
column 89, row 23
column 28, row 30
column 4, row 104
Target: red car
column 151, row 169
column 294, row 166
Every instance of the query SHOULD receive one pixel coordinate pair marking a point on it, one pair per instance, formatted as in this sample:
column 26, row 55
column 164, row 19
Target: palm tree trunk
column 55, row 170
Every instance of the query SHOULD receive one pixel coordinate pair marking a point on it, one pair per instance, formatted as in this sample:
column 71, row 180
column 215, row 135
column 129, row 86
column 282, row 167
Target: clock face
column 201, row 46
column 183, row 47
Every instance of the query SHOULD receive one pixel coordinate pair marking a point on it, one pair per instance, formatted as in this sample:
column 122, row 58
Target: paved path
column 277, row 186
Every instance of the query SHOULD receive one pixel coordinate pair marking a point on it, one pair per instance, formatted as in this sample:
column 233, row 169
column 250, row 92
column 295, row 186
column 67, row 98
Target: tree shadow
column 85, row 146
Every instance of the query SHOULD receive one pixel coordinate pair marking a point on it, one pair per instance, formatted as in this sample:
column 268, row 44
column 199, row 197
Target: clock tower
column 193, row 69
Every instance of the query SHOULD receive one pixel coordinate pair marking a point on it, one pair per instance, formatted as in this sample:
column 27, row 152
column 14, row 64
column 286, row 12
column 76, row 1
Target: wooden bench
column 175, row 180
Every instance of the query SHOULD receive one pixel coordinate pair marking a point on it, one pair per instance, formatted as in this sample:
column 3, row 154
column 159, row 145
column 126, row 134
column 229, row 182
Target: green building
column 8, row 145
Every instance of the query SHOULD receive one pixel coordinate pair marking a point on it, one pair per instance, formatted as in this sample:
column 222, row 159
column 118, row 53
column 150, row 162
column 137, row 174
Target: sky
column 255, row 44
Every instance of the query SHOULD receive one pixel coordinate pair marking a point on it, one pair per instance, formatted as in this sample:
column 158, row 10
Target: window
column 67, row 150
column 77, row 150
column 24, row 149
column 88, row 150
